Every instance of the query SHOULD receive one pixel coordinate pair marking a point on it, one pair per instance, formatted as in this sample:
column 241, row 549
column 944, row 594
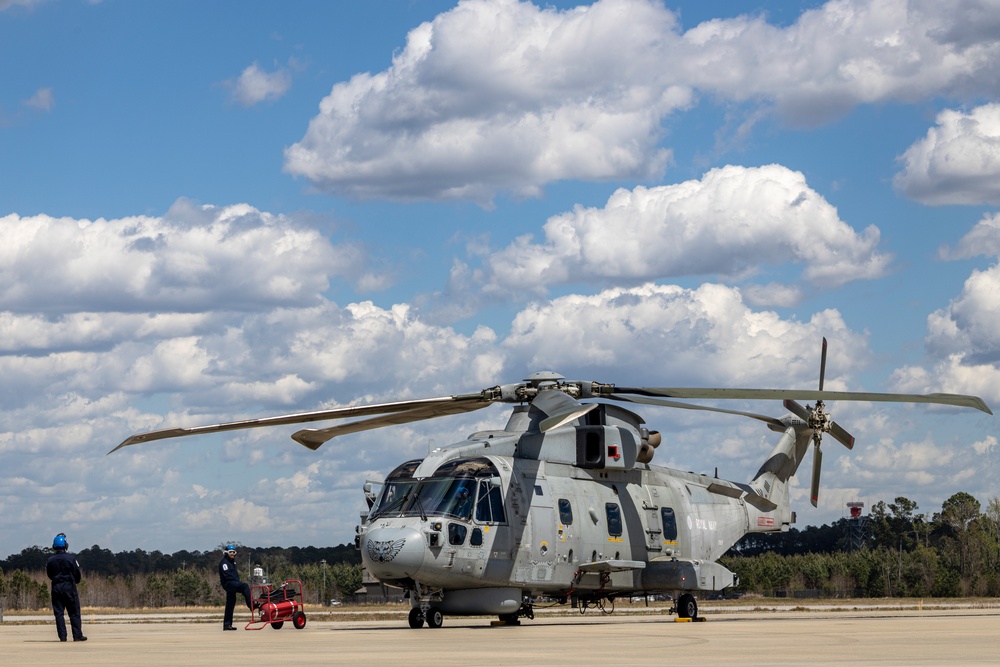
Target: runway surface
column 927, row 637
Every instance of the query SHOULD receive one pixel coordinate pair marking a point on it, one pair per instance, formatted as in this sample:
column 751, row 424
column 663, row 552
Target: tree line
column 141, row 579
column 891, row 552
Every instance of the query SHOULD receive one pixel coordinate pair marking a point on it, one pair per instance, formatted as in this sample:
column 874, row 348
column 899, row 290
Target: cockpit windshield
column 453, row 491
column 442, row 497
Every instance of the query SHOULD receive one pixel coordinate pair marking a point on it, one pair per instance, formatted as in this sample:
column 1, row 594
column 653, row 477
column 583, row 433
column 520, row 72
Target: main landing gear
column 433, row 617
column 687, row 606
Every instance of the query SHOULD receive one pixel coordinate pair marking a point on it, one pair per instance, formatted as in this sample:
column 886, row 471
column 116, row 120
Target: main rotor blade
column 817, row 466
column 960, row 400
column 313, row 438
column 296, row 418
column 688, row 406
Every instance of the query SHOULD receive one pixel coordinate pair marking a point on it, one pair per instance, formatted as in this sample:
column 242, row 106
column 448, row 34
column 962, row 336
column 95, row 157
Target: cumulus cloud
column 958, row 162
column 254, row 85
column 963, row 339
column 703, row 337
column 193, row 258
column 970, row 325
column 963, row 342
column 981, row 240
column 731, row 222
column 499, row 95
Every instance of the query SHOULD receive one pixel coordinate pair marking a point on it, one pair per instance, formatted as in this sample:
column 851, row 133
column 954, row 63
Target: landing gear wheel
column 687, row 607
column 277, row 626
column 299, row 620
column 416, row 618
column 435, row 619
column 509, row 619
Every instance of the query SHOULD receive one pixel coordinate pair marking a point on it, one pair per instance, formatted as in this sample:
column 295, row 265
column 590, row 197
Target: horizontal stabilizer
column 744, row 491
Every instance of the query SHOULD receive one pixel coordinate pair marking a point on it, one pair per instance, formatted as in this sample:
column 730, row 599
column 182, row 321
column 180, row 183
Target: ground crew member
column 64, row 571
column 229, row 577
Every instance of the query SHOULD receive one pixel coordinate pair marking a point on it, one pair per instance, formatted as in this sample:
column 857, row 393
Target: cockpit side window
column 394, row 496
column 489, row 503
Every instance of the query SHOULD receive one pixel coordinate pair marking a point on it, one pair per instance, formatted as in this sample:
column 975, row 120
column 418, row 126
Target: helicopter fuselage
column 489, row 525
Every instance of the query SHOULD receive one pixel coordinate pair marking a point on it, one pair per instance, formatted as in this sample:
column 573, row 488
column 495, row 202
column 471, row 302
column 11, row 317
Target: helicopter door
column 543, row 533
column 651, row 512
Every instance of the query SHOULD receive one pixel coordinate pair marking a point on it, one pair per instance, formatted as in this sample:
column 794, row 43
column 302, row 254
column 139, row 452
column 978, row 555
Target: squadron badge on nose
column 383, row 551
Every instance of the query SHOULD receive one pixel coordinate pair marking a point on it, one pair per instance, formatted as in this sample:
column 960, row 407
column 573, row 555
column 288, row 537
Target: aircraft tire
column 416, row 618
column 435, row 619
column 687, row 606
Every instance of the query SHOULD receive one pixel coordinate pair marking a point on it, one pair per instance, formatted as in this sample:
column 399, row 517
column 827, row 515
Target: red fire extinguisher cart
column 275, row 604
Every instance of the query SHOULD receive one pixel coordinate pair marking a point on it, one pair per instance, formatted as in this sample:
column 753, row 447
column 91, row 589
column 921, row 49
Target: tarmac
column 857, row 637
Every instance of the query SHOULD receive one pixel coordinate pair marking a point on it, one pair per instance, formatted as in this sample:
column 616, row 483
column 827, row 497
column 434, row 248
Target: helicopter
column 563, row 503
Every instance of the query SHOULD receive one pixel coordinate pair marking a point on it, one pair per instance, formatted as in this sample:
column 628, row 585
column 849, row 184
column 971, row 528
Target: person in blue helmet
column 229, row 577
column 64, row 571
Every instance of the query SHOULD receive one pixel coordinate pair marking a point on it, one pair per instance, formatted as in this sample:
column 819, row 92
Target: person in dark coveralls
column 64, row 571
column 229, row 577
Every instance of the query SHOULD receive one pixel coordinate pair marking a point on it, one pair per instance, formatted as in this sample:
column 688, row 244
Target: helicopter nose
column 393, row 553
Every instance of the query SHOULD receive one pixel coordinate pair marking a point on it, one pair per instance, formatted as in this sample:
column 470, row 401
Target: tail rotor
column 819, row 420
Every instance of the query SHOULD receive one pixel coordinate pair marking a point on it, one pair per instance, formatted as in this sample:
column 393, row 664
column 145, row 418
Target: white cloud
column 981, row 240
column 731, row 222
column 498, row 95
column 970, row 325
column 254, row 85
column 986, row 445
column 7, row 4
column 958, row 162
column 194, row 258
column 43, row 100
column 701, row 337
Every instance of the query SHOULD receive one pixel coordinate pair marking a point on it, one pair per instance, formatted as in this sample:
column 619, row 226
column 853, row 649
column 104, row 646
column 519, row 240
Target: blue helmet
column 59, row 542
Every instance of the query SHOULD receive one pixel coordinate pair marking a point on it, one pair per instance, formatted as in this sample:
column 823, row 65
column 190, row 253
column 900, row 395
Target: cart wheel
column 277, row 626
column 416, row 618
column 435, row 619
column 299, row 620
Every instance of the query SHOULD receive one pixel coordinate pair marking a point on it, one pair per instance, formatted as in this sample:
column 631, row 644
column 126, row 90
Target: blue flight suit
column 64, row 571
column 229, row 577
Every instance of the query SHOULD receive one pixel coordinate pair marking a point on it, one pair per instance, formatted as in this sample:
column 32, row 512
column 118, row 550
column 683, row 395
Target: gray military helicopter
column 563, row 503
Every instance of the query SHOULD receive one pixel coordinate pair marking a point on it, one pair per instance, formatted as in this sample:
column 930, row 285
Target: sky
column 225, row 210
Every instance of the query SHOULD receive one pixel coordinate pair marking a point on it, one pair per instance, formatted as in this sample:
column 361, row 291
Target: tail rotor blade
column 817, row 465
column 841, row 435
column 796, row 409
column 822, row 365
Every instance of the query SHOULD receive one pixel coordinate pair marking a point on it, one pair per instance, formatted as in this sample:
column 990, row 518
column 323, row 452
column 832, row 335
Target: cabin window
column 456, row 534
column 489, row 503
column 669, row 524
column 565, row 512
column 614, row 513
column 477, row 538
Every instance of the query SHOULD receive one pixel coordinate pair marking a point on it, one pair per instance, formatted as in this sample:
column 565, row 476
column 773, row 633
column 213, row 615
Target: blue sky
column 212, row 211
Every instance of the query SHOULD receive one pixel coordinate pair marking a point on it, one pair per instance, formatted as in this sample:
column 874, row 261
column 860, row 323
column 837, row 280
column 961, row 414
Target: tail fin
column 771, row 481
